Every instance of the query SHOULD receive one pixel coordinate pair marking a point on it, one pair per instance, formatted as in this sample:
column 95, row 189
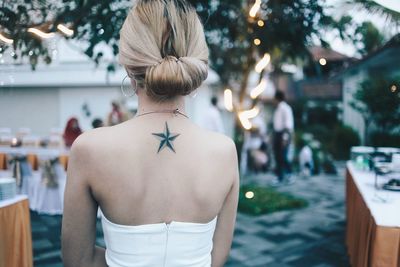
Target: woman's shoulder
column 90, row 143
column 217, row 142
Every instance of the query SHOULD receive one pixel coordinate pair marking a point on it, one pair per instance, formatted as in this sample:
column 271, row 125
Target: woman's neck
column 146, row 104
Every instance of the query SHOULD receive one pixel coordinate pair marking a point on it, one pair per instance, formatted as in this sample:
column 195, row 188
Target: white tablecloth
column 385, row 213
column 43, row 152
column 11, row 201
column 43, row 199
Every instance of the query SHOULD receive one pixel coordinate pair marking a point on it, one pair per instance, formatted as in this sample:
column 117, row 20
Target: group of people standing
column 258, row 146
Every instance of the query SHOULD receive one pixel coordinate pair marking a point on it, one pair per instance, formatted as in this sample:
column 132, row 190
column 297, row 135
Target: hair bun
column 163, row 46
column 175, row 76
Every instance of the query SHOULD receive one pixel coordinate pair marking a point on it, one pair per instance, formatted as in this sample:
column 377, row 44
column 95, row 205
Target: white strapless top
column 177, row 244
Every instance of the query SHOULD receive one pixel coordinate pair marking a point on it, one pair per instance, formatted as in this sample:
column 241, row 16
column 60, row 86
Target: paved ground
column 312, row 237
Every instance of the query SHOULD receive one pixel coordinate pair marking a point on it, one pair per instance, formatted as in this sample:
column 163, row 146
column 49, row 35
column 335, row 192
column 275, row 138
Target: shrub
column 385, row 139
column 343, row 138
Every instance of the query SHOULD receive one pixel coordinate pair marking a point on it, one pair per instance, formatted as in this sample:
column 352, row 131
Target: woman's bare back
column 136, row 184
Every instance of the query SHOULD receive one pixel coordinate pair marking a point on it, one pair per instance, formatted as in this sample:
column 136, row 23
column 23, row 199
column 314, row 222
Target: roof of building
column 319, row 52
column 387, row 55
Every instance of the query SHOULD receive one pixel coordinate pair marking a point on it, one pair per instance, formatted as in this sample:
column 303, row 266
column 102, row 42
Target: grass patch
column 267, row 200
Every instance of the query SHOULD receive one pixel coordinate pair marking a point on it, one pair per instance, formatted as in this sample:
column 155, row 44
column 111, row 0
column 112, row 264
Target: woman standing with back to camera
column 168, row 189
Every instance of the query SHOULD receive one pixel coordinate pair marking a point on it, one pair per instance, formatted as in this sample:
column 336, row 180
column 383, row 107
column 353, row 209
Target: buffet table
column 34, row 154
column 43, row 176
column 15, row 233
column 373, row 221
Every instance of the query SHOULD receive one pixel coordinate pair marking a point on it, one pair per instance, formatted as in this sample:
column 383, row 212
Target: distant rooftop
column 386, row 58
column 319, row 52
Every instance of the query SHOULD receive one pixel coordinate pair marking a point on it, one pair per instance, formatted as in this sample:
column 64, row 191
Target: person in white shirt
column 212, row 119
column 306, row 162
column 283, row 126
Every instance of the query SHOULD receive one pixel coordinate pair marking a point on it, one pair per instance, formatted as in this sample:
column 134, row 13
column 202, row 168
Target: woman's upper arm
column 226, row 218
column 80, row 209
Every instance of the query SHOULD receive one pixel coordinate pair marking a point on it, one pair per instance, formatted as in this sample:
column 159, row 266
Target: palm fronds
column 375, row 8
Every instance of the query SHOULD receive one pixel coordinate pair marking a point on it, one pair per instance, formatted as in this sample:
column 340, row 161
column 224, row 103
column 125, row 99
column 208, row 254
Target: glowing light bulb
column 260, row 23
column 257, row 41
column 6, row 40
column 245, row 116
column 393, row 88
column 258, row 89
column 254, row 9
column 64, row 29
column 228, row 99
column 41, row 34
column 263, row 63
column 322, row 61
column 249, row 194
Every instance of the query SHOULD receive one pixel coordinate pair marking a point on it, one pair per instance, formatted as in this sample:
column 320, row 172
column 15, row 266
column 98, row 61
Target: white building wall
column 44, row 108
column 98, row 101
column 23, row 107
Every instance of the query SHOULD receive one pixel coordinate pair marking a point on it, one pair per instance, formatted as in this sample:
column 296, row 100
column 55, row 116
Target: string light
column 41, row 34
column 254, row 9
column 393, row 88
column 258, row 89
column 245, row 116
column 257, row 41
column 64, row 29
column 260, row 23
column 249, row 194
column 228, row 99
column 6, row 40
column 322, row 61
column 263, row 63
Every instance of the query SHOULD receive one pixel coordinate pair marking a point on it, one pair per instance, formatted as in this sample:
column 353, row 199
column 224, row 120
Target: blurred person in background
column 72, row 131
column 115, row 116
column 212, row 119
column 255, row 147
column 306, row 162
column 97, row 122
column 283, row 127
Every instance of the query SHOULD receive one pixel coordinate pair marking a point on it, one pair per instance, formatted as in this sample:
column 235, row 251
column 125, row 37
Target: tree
column 378, row 101
column 375, row 8
column 237, row 40
column 368, row 38
column 92, row 22
column 289, row 26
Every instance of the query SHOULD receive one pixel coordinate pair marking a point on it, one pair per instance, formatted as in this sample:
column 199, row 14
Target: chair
column 50, row 186
column 56, row 141
column 30, row 141
column 6, row 140
column 23, row 131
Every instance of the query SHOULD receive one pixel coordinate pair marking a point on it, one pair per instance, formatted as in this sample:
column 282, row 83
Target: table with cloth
column 15, row 233
column 373, row 221
column 40, row 174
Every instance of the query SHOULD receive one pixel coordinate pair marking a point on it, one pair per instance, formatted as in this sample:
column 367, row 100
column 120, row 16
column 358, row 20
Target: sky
column 339, row 8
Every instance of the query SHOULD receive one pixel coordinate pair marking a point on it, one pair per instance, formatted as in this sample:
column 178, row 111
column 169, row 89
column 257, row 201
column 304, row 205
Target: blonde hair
column 163, row 47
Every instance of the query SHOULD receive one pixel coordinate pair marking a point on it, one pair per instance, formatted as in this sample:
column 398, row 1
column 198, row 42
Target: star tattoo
column 166, row 138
